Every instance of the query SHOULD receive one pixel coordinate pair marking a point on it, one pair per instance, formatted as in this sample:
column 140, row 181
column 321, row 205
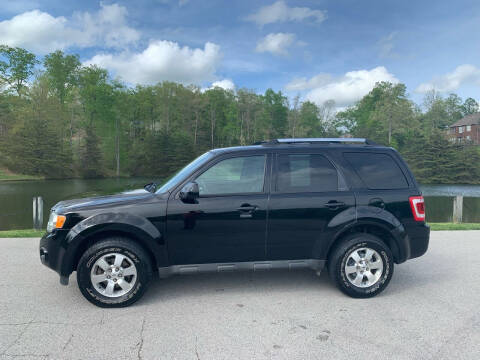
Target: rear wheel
column 361, row 266
column 114, row 273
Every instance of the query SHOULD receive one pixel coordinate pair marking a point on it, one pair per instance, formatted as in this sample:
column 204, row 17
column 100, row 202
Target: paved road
column 429, row 311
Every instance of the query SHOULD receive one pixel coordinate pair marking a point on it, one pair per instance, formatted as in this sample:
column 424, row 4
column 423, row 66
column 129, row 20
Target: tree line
column 60, row 119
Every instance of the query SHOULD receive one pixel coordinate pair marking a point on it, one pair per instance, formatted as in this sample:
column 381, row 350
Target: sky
column 320, row 50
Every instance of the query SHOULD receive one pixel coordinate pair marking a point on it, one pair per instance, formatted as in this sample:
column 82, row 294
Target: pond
column 16, row 197
column 439, row 202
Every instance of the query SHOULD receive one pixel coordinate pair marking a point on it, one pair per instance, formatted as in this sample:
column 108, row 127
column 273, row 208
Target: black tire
column 340, row 256
column 117, row 245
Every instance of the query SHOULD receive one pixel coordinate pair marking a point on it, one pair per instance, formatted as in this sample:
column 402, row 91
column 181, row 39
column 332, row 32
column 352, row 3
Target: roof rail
column 316, row 140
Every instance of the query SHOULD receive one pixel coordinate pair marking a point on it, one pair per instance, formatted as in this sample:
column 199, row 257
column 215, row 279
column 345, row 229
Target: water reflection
column 16, row 196
column 439, row 202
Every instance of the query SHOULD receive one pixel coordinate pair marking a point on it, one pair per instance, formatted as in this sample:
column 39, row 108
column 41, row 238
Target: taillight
column 418, row 207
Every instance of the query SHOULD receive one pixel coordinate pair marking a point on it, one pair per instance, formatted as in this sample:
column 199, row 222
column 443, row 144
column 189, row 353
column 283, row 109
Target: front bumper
column 52, row 251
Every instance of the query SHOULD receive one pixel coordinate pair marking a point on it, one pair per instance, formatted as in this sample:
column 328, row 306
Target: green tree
column 62, row 73
column 97, row 97
column 454, row 108
column 152, row 130
column 274, row 119
column 470, row 106
column 249, row 107
column 309, row 124
column 385, row 115
column 466, row 169
column 91, row 156
column 36, row 146
column 441, row 113
column 96, row 94
column 328, row 119
column 431, row 158
column 16, row 67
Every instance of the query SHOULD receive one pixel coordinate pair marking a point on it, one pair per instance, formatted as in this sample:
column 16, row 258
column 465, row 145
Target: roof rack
column 316, row 140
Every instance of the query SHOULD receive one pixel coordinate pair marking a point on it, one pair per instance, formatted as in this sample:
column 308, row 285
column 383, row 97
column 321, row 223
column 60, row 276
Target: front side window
column 237, row 175
column 469, row 128
column 186, row 171
column 305, row 173
column 460, row 129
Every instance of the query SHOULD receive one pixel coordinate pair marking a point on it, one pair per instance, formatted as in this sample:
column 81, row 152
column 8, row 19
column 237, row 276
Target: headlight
column 55, row 221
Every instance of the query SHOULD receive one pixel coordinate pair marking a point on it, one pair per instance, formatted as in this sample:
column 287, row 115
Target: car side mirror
column 190, row 193
column 151, row 187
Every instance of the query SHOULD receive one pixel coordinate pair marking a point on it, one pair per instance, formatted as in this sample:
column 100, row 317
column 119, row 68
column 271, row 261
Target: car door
column 228, row 221
column 308, row 203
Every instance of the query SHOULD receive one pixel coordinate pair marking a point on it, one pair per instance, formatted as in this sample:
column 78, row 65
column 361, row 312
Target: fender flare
column 133, row 226
column 399, row 242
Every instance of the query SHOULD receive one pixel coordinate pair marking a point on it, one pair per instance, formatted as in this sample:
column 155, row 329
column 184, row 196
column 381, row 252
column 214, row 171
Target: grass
column 6, row 175
column 452, row 226
column 29, row 233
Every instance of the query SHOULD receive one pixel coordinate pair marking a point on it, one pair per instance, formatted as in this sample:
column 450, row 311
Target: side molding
column 313, row 264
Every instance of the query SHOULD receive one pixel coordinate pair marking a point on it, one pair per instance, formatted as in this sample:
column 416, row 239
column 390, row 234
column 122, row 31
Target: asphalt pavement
column 430, row 310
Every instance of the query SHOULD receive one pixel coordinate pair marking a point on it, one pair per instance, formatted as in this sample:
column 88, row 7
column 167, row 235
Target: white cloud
column 463, row 74
column 225, row 84
column 281, row 12
column 108, row 25
column 35, row 30
column 41, row 32
column 345, row 90
column 277, row 44
column 163, row 60
column 300, row 84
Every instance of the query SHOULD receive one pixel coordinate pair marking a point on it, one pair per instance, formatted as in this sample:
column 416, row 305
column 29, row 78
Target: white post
column 37, row 212
column 457, row 208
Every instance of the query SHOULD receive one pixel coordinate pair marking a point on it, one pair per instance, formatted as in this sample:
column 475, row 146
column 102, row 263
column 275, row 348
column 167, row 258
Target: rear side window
column 305, row 173
column 377, row 171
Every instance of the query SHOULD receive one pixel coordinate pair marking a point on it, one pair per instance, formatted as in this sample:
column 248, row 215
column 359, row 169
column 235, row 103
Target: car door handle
column 246, row 211
column 247, row 208
column 334, row 204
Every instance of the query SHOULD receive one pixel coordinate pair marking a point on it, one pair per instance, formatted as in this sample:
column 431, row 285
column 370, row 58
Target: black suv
column 347, row 204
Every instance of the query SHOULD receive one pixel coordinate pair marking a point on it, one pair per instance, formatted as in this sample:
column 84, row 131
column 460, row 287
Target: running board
column 313, row 264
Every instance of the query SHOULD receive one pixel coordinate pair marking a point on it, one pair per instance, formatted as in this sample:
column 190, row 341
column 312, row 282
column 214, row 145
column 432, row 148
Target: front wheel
column 361, row 266
column 114, row 273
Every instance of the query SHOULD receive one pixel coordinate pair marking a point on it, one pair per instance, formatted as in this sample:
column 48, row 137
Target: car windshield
column 187, row 170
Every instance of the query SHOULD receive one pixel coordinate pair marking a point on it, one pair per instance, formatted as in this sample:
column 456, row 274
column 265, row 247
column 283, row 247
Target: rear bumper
column 419, row 238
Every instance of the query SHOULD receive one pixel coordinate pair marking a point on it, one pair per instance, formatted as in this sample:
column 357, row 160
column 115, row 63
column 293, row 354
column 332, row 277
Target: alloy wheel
column 113, row 275
column 364, row 267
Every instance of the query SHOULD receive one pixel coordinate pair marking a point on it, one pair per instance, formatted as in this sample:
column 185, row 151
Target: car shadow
column 411, row 276
column 408, row 278
column 241, row 282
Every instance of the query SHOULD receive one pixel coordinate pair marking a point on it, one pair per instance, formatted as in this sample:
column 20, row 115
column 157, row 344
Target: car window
column 377, row 171
column 234, row 176
column 306, row 173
